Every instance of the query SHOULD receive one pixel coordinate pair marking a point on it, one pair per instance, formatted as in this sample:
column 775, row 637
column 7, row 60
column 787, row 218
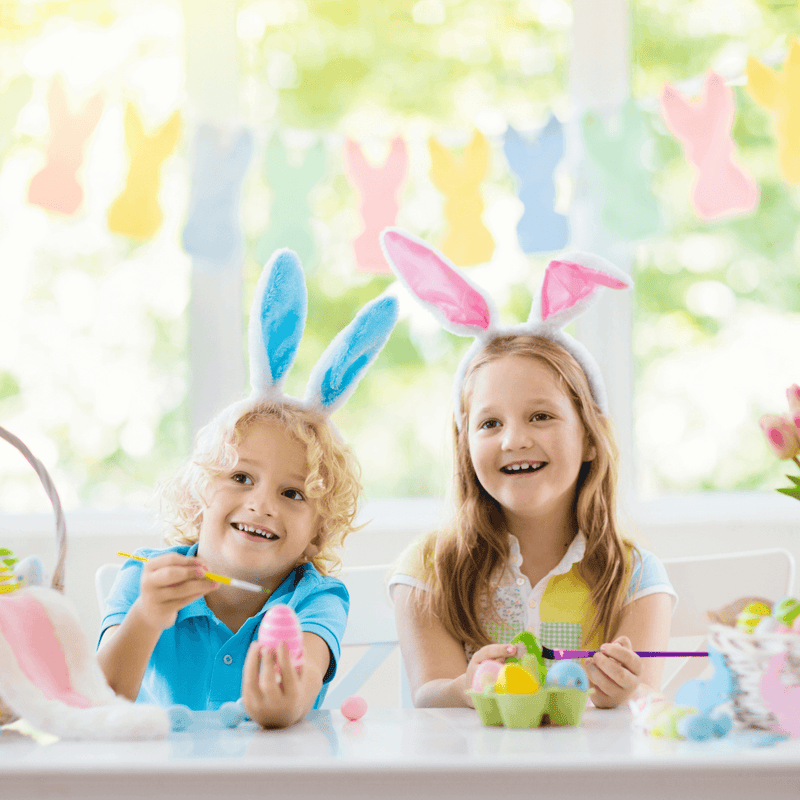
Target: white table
column 420, row 754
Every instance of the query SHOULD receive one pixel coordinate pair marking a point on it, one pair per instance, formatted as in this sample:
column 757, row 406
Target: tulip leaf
column 794, row 480
column 792, row 492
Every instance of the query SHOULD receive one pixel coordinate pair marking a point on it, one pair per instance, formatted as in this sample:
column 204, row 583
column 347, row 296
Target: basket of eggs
column 760, row 643
column 523, row 693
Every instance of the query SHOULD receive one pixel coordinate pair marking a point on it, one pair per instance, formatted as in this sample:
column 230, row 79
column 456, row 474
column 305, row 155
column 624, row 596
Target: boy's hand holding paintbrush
column 169, row 583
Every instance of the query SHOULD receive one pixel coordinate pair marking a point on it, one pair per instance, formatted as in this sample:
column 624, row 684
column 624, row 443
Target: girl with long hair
column 534, row 543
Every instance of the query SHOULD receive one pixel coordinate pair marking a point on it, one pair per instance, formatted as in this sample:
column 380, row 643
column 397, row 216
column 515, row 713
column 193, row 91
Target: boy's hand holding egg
column 271, row 689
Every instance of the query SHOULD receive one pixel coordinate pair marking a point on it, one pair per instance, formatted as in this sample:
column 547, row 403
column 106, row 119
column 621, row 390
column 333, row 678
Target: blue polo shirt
column 198, row 662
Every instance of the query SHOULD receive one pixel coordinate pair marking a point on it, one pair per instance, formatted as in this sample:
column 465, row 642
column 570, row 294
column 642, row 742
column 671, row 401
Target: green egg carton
column 563, row 705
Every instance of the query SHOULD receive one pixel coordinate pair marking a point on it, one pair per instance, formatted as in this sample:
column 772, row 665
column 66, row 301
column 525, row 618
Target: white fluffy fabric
column 109, row 717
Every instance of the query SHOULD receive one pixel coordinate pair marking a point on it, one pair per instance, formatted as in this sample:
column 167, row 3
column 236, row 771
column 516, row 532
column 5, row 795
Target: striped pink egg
column 279, row 625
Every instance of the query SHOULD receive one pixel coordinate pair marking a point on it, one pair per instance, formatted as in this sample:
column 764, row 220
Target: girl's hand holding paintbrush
column 614, row 672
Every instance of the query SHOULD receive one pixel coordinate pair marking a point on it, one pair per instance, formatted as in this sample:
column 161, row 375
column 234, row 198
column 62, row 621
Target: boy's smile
column 258, row 523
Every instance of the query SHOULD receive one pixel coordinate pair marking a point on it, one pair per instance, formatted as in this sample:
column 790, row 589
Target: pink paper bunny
column 704, row 129
column 55, row 187
column 280, row 626
column 379, row 188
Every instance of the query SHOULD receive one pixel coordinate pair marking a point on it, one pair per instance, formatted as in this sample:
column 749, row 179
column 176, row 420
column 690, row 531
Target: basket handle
column 61, row 526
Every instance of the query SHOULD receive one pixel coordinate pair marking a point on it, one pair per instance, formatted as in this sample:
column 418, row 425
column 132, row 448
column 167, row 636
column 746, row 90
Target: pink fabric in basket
column 30, row 634
column 781, row 699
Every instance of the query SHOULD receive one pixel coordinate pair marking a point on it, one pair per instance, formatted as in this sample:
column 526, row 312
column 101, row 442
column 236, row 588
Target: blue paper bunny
column 541, row 228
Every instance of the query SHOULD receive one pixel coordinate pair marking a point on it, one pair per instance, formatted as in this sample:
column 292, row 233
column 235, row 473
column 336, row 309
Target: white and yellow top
column 558, row 610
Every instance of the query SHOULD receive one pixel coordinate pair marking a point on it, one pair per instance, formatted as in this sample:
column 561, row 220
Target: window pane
column 718, row 302
column 366, row 71
column 93, row 371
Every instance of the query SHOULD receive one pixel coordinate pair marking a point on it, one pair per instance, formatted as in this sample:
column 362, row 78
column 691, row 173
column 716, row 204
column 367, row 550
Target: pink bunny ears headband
column 277, row 321
column 570, row 285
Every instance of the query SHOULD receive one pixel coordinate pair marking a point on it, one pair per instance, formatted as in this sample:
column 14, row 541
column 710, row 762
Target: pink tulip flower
column 781, row 435
column 793, row 396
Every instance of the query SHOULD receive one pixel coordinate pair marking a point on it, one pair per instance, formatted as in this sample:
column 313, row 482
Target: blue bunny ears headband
column 277, row 321
column 571, row 283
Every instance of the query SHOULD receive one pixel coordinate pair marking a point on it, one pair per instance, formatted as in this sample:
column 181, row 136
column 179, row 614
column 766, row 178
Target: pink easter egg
column 354, row 708
column 486, row 673
column 280, row 625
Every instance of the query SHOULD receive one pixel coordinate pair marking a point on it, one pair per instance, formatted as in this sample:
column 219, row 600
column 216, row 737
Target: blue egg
column 568, row 673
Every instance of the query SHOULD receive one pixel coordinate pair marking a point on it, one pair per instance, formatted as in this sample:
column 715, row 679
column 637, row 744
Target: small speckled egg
column 354, row 708
column 568, row 673
column 751, row 615
column 514, row 679
column 786, row 611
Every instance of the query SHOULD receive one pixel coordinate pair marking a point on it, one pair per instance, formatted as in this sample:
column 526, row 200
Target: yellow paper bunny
column 467, row 241
column 136, row 212
column 780, row 93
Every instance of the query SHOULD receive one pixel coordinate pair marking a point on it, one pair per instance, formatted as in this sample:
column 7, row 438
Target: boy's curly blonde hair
column 333, row 479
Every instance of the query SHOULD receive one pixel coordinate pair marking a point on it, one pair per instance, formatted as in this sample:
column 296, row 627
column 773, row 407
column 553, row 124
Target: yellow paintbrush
column 251, row 587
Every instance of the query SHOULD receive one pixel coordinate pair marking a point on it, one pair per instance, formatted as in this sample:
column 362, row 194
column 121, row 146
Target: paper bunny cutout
column 277, row 320
column 781, row 95
column 704, row 130
column 540, row 228
column 629, row 208
column 379, row 188
column 136, row 213
column 467, row 240
column 289, row 214
column 212, row 231
column 570, row 285
column 55, row 187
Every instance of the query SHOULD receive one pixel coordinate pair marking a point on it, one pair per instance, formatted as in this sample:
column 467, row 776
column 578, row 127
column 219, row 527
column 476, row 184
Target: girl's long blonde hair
column 463, row 558
column 333, row 480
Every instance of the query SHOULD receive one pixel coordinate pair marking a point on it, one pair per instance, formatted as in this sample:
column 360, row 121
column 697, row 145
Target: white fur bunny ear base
column 277, row 322
column 570, row 285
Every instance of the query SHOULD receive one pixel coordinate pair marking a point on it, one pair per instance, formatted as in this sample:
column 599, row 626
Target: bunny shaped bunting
column 277, row 321
column 571, row 283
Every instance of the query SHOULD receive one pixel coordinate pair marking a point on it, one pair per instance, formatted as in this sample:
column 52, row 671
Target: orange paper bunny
column 55, row 187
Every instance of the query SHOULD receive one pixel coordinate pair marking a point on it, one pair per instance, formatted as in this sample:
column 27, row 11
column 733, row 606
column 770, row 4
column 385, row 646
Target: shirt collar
column 574, row 554
column 199, row 607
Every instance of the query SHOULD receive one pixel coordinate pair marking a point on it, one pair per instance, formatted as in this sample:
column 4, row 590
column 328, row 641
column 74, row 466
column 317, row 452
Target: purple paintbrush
column 558, row 655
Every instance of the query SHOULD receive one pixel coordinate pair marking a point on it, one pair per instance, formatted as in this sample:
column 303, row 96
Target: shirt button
column 520, row 581
column 532, row 603
column 228, row 658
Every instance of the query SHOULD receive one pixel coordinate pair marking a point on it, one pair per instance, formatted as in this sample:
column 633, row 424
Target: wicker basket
column 57, row 583
column 747, row 655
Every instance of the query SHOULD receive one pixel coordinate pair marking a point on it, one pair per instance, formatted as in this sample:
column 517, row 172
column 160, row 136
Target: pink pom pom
column 354, row 708
column 280, row 625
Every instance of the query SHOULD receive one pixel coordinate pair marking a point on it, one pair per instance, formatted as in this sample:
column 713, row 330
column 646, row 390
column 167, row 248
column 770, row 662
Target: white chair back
column 103, row 581
column 704, row 583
